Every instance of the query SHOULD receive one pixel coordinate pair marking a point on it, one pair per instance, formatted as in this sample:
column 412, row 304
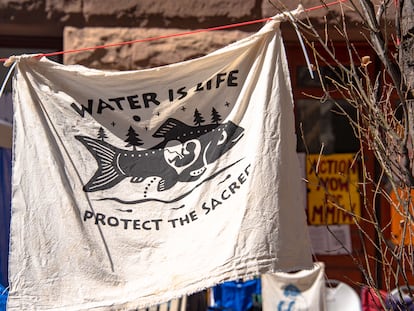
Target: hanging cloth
column 132, row 188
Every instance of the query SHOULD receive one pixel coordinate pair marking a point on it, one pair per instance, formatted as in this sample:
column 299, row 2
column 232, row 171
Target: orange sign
column 402, row 210
column 333, row 191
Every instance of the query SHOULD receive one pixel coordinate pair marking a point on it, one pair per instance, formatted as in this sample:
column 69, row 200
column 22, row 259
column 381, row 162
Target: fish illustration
column 214, row 140
column 115, row 164
column 198, row 145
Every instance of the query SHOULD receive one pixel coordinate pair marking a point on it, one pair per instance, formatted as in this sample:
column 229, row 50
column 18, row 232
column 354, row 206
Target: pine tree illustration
column 133, row 139
column 198, row 118
column 215, row 116
column 101, row 134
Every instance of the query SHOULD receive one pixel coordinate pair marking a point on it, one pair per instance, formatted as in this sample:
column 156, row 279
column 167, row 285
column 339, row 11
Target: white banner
column 132, row 188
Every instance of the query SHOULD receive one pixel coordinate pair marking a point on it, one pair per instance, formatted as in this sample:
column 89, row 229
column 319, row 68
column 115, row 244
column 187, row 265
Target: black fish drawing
column 200, row 146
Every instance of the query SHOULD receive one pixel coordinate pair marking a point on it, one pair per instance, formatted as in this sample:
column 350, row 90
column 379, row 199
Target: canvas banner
column 132, row 188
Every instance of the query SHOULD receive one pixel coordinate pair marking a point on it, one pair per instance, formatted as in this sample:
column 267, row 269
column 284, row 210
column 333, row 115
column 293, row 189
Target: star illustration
column 183, row 108
column 227, row 104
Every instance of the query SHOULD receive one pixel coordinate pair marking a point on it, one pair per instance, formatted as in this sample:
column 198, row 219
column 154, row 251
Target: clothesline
column 236, row 25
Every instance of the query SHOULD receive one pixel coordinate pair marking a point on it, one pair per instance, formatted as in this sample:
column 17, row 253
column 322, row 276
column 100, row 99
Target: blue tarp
column 3, row 298
column 236, row 295
column 5, row 204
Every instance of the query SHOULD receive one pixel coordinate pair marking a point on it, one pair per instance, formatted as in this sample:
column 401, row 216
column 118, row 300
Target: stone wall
column 143, row 54
column 91, row 23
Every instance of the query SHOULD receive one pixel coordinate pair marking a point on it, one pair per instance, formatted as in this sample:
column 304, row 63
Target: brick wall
column 95, row 22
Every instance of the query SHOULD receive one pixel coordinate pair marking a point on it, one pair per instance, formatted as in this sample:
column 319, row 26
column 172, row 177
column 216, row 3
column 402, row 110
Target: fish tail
column 108, row 173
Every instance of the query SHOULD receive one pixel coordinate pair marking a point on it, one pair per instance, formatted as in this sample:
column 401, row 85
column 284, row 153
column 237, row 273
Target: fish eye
column 223, row 138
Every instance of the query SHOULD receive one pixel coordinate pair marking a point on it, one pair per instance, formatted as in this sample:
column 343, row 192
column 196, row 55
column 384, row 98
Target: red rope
column 176, row 34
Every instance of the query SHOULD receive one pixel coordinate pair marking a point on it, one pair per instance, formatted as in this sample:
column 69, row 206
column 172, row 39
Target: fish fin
column 137, row 179
column 107, row 174
column 170, row 128
column 165, row 184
